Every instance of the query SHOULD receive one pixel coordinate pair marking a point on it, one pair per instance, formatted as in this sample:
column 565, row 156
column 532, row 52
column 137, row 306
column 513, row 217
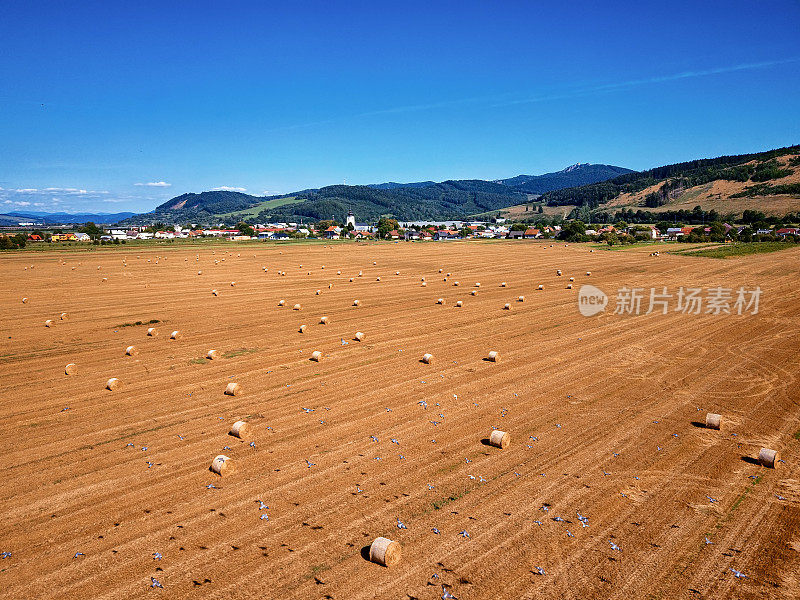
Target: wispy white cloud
column 631, row 83
column 270, row 193
column 56, row 190
column 227, row 188
column 570, row 92
column 154, row 184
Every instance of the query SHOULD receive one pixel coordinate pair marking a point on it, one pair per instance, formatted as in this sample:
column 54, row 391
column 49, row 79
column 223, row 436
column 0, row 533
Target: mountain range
column 764, row 181
column 13, row 218
column 424, row 200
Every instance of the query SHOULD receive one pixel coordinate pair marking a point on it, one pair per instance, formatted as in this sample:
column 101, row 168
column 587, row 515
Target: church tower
column 351, row 220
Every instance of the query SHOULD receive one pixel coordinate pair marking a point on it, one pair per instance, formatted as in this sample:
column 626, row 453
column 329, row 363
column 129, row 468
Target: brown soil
column 601, row 394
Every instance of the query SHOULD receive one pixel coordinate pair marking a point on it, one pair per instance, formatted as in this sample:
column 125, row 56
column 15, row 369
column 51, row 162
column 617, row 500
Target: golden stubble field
column 603, row 412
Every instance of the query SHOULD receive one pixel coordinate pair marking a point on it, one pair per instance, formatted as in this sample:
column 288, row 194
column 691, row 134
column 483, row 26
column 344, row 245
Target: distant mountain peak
column 574, row 167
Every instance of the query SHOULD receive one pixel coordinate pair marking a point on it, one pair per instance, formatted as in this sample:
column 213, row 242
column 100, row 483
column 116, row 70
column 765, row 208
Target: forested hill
column 576, row 175
column 744, row 175
column 424, row 200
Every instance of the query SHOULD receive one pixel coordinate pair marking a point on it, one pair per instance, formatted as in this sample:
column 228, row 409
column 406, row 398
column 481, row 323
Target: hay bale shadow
column 751, row 460
column 365, row 552
column 699, row 424
column 485, row 442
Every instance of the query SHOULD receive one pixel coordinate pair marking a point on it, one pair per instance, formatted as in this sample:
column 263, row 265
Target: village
column 399, row 231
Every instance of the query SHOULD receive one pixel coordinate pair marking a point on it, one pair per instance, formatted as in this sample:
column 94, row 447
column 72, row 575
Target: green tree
column 91, row 229
column 385, row 225
column 717, row 233
column 245, row 229
column 574, row 231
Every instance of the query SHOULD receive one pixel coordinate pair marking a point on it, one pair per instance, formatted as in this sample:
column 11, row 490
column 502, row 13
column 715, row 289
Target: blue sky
column 112, row 106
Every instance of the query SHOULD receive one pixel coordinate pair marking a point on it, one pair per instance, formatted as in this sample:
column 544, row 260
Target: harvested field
column 611, row 487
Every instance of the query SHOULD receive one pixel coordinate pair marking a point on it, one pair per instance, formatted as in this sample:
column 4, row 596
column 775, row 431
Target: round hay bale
column 507, row 306
column 449, row 274
column 318, row 292
column 427, row 359
column 503, row 284
column 572, row 279
column 131, row 351
column 713, row 421
column 152, row 332
column 541, row 287
column 71, row 369
column 233, row 389
column 104, row 278
column 113, row 384
column 455, row 283
column 48, row 323
column 588, row 273
column 323, row 321
column 199, row 272
column 385, row 552
column 378, row 279
column 440, row 270
column 423, row 279
column 174, row 335
column 440, row 301
column 397, row 272
column 356, row 302
column 296, row 307
column 302, row 329
column 233, row 284
column 351, row 280
column 338, row 272
column 558, row 272
column 212, row 355
column 316, row 356
column 374, row 263
column 361, row 273
column 24, row 300
column 768, row 458
column 473, row 293
column 424, row 284
column 521, row 299
column 359, row 336
column 215, row 293
column 499, row 439
column 281, row 302
column 460, row 303
column 241, row 430
column 494, row 356
column 477, row 284
column 222, row 465
column 64, row 316
column 569, row 286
